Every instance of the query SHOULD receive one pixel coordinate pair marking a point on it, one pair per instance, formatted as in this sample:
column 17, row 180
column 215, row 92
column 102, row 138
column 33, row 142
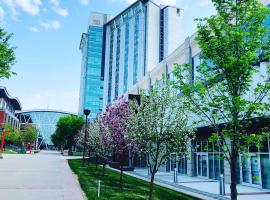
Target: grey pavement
column 43, row 176
column 203, row 188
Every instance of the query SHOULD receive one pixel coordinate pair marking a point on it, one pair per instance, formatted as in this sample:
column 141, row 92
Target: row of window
column 93, row 90
column 6, row 106
column 136, row 50
column 126, row 57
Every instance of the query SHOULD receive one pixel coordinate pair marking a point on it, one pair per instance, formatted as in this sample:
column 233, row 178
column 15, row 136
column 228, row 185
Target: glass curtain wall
column 209, row 160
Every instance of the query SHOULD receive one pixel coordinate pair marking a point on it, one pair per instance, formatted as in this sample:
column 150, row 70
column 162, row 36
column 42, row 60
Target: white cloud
column 2, row 13
column 205, row 2
column 34, row 29
column 55, row 2
column 12, row 7
column 60, row 11
column 50, row 24
column 84, row 2
column 32, row 7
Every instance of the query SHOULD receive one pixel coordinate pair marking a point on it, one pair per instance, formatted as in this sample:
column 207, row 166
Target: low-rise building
column 8, row 106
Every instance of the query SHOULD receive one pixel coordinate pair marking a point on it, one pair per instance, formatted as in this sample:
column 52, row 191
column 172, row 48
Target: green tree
column 57, row 140
column 67, row 128
column 28, row 135
column 7, row 55
column 94, row 142
column 224, row 91
column 158, row 127
column 13, row 137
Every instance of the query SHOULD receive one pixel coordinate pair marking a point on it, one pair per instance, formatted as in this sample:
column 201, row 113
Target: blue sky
column 47, row 36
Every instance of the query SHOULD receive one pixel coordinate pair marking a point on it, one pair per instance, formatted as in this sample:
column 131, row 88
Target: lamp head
column 86, row 112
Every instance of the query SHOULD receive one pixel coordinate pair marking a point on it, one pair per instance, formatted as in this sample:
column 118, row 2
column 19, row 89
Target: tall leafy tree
column 233, row 43
column 57, row 140
column 68, row 127
column 159, row 126
column 7, row 55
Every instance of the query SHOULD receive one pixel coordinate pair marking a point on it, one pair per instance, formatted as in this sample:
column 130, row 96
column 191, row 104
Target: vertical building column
column 227, row 169
column 227, row 172
column 188, row 56
column 191, row 160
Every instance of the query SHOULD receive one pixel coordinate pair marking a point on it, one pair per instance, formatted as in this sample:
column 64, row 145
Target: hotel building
column 92, row 73
column 136, row 41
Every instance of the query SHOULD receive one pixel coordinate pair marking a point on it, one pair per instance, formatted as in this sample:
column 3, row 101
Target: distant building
column 92, row 74
column 8, row 106
column 138, row 39
column 44, row 120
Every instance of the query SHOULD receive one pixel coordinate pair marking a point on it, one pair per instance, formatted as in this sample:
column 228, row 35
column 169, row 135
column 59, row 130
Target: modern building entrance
column 179, row 162
column 251, row 170
column 202, row 164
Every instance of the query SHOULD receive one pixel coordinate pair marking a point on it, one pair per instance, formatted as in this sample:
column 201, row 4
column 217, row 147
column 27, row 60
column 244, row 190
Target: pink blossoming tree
column 114, row 128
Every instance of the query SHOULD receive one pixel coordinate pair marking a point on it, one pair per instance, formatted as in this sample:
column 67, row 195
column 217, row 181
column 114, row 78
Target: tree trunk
column 233, row 168
column 89, row 157
column 121, row 175
column 96, row 161
column 151, row 193
column 103, row 173
column 70, row 150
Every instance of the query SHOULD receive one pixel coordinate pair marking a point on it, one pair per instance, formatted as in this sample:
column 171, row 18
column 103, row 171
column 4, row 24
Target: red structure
column 3, row 139
column 8, row 106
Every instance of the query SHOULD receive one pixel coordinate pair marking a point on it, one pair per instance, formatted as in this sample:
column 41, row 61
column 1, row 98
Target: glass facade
column 126, row 21
column 117, row 61
column 93, row 93
column 136, row 49
column 209, row 160
column 110, row 66
column 253, row 167
column 45, row 122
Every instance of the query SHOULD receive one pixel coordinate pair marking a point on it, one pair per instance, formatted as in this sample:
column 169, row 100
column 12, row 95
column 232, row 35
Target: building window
column 110, row 67
column 117, row 62
column 126, row 56
column 136, row 50
column 161, row 51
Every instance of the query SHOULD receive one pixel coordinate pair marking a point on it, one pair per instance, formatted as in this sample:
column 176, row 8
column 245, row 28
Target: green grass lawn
column 10, row 152
column 77, row 154
column 133, row 188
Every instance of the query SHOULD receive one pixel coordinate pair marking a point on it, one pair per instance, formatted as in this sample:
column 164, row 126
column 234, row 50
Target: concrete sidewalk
column 208, row 189
column 43, row 176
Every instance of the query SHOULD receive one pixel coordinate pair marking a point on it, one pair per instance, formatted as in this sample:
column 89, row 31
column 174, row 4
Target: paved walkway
column 43, row 176
column 208, row 188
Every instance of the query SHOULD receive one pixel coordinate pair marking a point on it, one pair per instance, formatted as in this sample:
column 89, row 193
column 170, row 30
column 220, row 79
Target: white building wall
column 114, row 65
column 148, row 46
column 141, row 45
column 152, row 36
column 131, row 52
column 122, row 60
column 172, row 29
column 106, row 72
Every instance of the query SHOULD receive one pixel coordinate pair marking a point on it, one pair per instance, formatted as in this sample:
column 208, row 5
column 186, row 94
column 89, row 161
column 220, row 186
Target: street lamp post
column 86, row 113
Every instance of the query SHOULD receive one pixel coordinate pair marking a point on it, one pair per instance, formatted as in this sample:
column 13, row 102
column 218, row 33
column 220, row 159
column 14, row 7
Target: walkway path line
column 179, row 188
column 43, row 176
column 182, row 189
